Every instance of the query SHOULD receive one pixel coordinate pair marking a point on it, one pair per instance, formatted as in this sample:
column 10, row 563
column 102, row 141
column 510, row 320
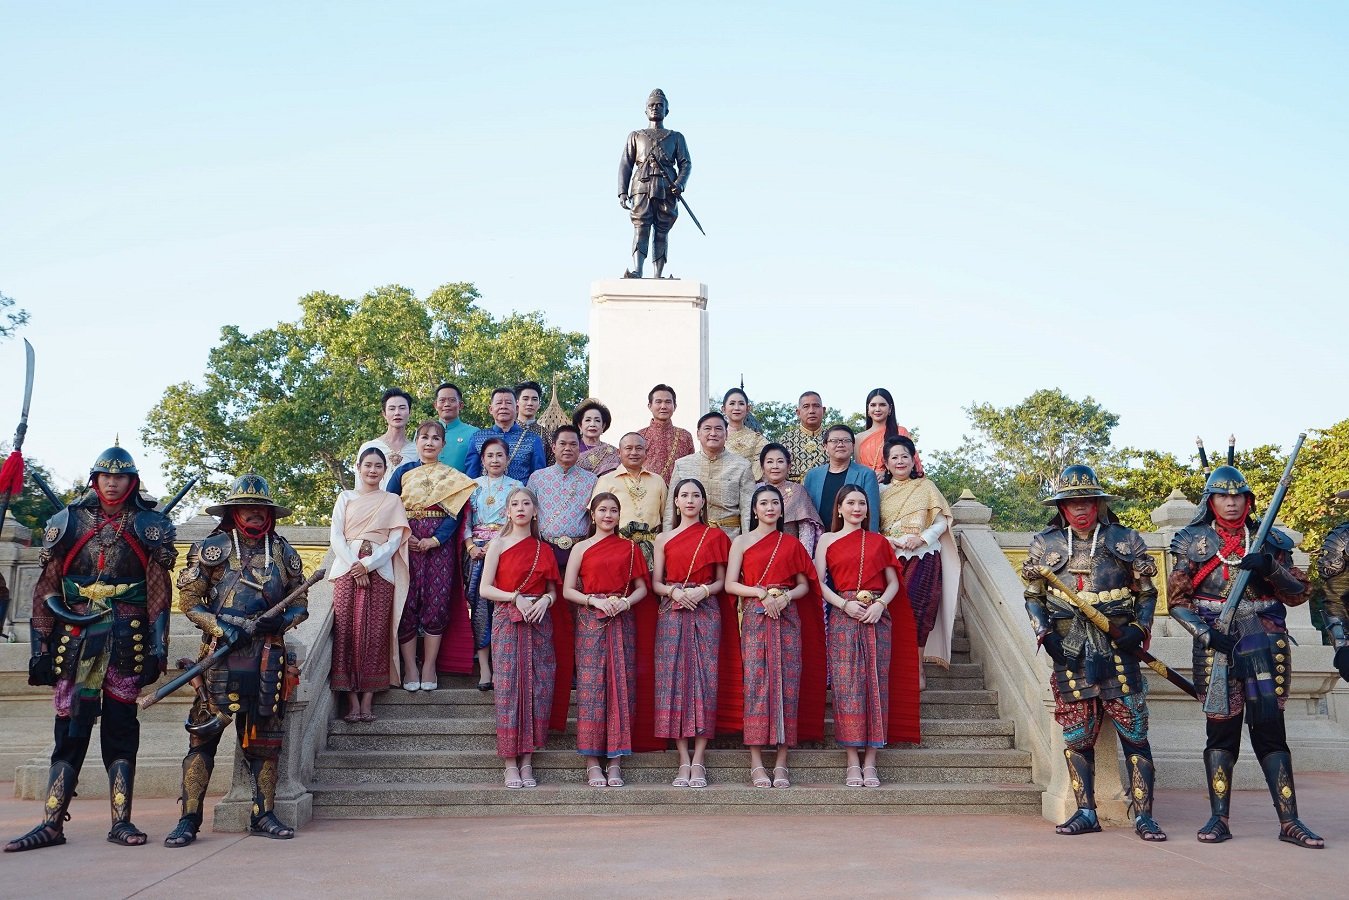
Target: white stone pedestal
column 643, row 332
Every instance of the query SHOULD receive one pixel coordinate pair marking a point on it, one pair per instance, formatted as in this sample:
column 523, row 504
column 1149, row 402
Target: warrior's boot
column 197, row 767
column 60, row 788
column 121, row 785
column 1141, row 778
column 1278, row 768
column 264, row 820
column 1082, row 774
column 1218, row 765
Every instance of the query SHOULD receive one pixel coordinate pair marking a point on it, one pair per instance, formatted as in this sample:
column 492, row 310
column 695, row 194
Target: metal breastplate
column 236, row 590
column 120, row 562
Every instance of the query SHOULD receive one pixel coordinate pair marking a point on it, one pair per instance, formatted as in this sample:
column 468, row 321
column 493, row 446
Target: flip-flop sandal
column 681, row 780
column 698, row 781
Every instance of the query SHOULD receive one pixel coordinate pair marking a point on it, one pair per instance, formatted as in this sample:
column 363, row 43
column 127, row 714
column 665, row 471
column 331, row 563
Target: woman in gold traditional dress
column 916, row 518
column 592, row 418
column 741, row 439
column 433, row 495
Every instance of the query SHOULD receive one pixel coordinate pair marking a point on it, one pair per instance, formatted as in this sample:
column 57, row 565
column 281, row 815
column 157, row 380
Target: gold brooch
column 212, row 554
column 1052, row 559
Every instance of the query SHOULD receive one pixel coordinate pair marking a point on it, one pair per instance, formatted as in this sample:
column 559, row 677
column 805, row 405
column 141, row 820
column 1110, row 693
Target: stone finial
column 967, row 510
column 1175, row 512
column 16, row 533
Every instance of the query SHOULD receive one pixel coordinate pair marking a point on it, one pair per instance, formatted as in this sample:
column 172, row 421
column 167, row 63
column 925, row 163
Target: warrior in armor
column 1106, row 565
column 233, row 576
column 1333, row 564
column 100, row 634
column 652, row 174
column 1205, row 557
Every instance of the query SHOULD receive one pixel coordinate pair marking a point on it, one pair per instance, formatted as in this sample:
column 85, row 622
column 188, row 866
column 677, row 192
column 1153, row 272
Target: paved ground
column 798, row 856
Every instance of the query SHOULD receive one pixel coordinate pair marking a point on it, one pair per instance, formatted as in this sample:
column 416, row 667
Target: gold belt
column 101, row 592
column 728, row 522
column 427, row 514
column 1095, row 598
column 563, row 542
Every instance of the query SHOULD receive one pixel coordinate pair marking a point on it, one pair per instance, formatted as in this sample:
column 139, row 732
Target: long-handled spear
column 11, row 473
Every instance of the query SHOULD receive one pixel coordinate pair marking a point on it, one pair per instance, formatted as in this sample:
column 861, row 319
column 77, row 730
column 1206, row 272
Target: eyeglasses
column 839, row 441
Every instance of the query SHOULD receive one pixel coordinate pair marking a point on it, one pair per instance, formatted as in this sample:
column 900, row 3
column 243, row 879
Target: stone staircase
column 434, row 755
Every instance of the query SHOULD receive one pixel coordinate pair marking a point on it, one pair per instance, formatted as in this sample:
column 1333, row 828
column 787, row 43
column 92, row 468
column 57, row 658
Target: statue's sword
column 659, row 156
column 1097, row 618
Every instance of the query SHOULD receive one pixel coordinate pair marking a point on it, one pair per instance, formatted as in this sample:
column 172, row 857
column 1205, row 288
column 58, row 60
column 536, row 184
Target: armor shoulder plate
column 1196, row 543
column 289, row 558
column 56, row 530
column 214, row 550
column 1334, row 555
column 156, row 533
column 1123, row 543
column 1049, row 548
column 1279, row 540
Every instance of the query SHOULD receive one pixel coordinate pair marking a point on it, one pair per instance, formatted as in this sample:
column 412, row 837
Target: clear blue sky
column 961, row 201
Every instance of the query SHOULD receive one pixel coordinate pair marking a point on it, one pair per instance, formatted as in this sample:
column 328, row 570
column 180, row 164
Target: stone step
column 462, row 703
column 808, row 767
column 469, row 734
column 441, row 800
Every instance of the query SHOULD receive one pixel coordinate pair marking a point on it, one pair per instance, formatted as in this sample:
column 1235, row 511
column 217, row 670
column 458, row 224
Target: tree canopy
column 294, row 401
column 11, row 317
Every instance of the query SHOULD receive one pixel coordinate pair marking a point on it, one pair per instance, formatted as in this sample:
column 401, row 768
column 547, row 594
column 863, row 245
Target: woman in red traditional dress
column 697, row 635
column 873, row 657
column 606, row 576
column 782, row 638
column 520, row 578
column 369, row 538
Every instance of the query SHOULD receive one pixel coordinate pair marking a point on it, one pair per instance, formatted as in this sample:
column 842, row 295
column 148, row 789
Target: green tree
column 293, row 402
column 1322, row 470
column 1017, row 452
column 1143, row 479
column 11, row 321
column 1048, row 430
column 1015, row 500
column 30, row 506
